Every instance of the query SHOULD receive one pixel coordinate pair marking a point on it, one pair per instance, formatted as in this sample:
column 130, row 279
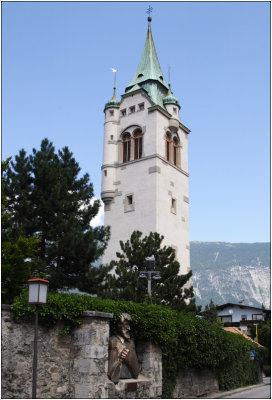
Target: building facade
column 145, row 161
column 241, row 316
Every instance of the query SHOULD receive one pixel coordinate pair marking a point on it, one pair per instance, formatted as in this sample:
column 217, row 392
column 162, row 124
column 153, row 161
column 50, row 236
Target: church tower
column 145, row 161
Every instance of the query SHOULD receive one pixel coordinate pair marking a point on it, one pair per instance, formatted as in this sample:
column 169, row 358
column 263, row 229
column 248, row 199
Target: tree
column 48, row 198
column 264, row 336
column 17, row 252
column 125, row 283
column 210, row 312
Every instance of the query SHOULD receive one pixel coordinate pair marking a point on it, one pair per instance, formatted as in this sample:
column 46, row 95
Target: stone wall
column 76, row 365
column 194, row 383
column 71, row 366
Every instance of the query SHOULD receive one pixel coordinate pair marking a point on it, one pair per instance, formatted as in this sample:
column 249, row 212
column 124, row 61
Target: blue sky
column 56, row 78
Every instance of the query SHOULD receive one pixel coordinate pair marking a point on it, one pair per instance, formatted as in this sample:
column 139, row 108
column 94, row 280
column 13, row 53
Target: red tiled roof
column 236, row 330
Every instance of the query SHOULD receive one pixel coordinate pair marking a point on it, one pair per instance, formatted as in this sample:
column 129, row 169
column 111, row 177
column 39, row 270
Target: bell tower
column 145, row 161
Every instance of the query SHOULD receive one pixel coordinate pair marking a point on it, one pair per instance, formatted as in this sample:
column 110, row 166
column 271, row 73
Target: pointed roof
column 149, row 70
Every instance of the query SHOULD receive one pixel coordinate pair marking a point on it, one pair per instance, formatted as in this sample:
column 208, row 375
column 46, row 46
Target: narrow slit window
column 123, row 112
column 168, row 140
column 130, row 200
column 126, row 147
column 175, row 151
column 173, row 205
column 138, row 145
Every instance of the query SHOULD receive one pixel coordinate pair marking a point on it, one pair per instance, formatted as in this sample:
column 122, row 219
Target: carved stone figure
column 122, row 352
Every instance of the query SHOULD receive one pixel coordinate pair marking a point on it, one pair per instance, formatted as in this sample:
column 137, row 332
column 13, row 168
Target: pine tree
column 125, row 283
column 210, row 312
column 48, row 198
column 17, row 252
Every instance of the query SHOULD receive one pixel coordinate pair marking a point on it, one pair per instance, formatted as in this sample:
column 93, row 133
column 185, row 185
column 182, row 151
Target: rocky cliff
column 230, row 272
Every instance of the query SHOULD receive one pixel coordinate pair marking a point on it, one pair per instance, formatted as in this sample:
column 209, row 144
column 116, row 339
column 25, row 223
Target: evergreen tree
column 17, row 252
column 47, row 197
column 210, row 312
column 125, row 283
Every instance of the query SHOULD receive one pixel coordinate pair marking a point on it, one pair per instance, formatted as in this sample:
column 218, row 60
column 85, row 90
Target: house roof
column 241, row 306
column 232, row 329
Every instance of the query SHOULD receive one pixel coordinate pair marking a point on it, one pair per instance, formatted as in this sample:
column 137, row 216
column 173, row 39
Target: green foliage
column 264, row 338
column 125, row 283
column 17, row 252
column 210, row 312
column 267, row 370
column 186, row 341
column 46, row 197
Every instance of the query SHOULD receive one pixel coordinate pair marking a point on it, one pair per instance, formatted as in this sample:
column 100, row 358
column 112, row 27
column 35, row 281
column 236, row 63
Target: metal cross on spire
column 149, row 11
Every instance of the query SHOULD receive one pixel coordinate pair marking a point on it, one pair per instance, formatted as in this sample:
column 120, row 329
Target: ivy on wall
column 185, row 340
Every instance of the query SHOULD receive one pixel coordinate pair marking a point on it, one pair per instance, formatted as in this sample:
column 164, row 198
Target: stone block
column 94, row 351
column 83, row 336
column 82, row 391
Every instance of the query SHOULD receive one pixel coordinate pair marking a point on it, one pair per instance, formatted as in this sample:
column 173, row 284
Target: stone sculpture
column 122, row 352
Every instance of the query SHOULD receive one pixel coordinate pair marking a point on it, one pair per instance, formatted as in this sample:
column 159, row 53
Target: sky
column 56, row 79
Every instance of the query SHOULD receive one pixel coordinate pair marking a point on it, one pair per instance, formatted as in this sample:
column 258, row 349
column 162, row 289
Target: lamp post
column 37, row 294
column 150, row 273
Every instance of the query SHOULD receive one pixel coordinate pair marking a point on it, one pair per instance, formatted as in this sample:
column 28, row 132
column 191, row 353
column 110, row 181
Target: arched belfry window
column 168, row 145
column 126, row 139
column 138, row 144
column 175, row 151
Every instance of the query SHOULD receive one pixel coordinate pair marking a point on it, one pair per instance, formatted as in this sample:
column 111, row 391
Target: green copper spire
column 169, row 98
column 113, row 102
column 149, row 74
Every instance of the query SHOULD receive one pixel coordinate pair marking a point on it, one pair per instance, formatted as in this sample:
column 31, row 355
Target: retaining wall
column 76, row 365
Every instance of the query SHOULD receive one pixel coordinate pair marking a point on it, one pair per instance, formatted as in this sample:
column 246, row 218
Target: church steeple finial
column 149, row 11
column 149, row 75
column 114, row 84
column 113, row 102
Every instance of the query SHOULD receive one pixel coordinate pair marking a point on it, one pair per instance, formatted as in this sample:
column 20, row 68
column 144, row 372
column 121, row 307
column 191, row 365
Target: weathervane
column 114, row 70
column 149, row 11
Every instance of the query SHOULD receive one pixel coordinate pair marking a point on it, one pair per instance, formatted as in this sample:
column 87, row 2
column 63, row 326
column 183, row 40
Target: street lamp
column 150, row 263
column 37, row 294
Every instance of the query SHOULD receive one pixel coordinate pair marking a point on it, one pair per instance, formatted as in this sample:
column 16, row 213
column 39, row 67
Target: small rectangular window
column 173, row 205
column 257, row 317
column 105, row 172
column 141, row 106
column 243, row 317
column 111, row 113
column 111, row 137
column 175, row 110
column 123, row 112
column 129, row 200
column 226, row 318
column 129, row 203
column 132, row 109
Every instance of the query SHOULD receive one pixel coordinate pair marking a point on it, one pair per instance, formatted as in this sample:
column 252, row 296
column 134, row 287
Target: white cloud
column 99, row 219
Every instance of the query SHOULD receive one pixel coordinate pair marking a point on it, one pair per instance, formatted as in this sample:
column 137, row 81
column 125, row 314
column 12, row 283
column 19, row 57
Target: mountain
column 230, row 272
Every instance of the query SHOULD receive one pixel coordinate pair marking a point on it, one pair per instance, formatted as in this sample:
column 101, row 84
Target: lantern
column 37, row 291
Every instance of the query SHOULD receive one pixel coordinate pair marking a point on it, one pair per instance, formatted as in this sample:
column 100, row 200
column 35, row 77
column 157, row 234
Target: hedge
column 185, row 340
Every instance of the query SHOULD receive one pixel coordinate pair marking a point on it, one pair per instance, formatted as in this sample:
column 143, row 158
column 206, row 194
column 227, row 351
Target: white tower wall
column 152, row 181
